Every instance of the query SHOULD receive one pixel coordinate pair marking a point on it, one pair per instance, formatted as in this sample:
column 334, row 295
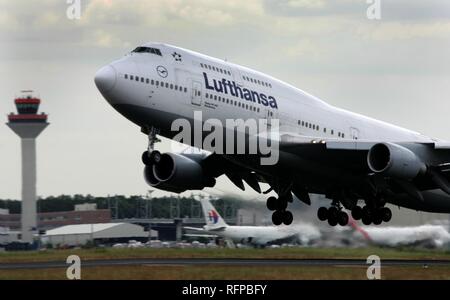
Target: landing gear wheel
column 287, row 217
column 357, row 213
column 282, row 204
column 155, row 156
column 366, row 220
column 322, row 213
column 272, row 203
column 377, row 220
column 386, row 214
column 332, row 216
column 152, row 158
column 146, row 159
column 277, row 217
column 366, row 216
column 342, row 218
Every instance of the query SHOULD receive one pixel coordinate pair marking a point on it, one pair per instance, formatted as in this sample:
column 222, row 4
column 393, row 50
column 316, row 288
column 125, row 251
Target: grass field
column 228, row 272
column 109, row 253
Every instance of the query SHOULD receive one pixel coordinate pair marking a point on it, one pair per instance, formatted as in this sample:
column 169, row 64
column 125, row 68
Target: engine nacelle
column 178, row 173
column 395, row 161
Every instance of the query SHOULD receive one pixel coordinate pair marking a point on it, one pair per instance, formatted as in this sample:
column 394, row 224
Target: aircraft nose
column 105, row 79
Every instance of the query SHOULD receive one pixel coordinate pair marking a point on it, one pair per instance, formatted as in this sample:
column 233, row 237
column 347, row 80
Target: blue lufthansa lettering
column 224, row 85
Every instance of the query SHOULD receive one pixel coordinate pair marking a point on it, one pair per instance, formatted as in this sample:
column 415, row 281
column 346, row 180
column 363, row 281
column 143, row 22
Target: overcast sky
column 395, row 69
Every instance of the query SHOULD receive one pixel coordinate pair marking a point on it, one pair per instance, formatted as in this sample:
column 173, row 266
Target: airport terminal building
column 103, row 233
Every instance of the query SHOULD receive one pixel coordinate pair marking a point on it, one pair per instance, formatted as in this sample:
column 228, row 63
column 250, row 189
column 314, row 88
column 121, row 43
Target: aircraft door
column 196, row 97
column 354, row 133
column 270, row 114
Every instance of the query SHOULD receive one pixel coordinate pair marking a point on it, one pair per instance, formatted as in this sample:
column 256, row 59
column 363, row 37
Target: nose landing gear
column 151, row 156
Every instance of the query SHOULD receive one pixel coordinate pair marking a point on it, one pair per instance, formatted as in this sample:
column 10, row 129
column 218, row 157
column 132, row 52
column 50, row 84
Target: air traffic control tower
column 28, row 124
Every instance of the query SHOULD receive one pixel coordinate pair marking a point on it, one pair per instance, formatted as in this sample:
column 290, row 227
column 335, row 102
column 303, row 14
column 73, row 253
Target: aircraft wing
column 337, row 164
column 195, row 229
column 200, row 235
column 351, row 157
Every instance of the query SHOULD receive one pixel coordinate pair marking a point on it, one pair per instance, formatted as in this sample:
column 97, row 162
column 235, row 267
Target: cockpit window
column 148, row 50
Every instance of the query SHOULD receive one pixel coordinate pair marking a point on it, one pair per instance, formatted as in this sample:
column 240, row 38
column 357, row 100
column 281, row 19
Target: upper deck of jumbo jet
column 279, row 86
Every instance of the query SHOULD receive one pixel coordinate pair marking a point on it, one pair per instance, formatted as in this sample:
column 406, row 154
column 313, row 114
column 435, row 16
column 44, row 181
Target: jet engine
column 395, row 161
column 177, row 173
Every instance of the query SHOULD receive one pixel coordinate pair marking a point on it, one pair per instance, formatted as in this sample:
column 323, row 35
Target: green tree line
column 129, row 206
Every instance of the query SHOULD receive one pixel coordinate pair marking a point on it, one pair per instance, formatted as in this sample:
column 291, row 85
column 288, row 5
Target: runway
column 218, row 261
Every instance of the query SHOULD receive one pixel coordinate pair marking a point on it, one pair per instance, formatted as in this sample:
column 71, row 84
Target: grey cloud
column 398, row 10
column 322, row 8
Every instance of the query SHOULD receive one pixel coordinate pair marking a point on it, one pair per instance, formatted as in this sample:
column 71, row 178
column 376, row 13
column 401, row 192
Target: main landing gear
column 369, row 215
column 278, row 206
column 373, row 212
column 334, row 215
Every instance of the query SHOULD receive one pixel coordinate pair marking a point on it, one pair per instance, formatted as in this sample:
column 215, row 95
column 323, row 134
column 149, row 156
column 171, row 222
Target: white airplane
column 322, row 149
column 427, row 235
column 253, row 235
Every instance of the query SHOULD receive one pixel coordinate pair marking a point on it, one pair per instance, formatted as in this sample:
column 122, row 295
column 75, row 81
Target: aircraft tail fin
column 212, row 217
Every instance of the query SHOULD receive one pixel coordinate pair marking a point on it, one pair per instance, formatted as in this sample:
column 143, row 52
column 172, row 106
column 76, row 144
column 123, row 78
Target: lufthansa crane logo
column 162, row 71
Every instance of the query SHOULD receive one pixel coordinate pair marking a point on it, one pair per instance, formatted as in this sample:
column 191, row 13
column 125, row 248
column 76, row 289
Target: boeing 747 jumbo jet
column 314, row 147
column 253, row 235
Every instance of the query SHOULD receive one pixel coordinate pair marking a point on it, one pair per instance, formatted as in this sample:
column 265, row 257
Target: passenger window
column 171, row 86
column 126, row 76
column 152, row 82
column 132, row 77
